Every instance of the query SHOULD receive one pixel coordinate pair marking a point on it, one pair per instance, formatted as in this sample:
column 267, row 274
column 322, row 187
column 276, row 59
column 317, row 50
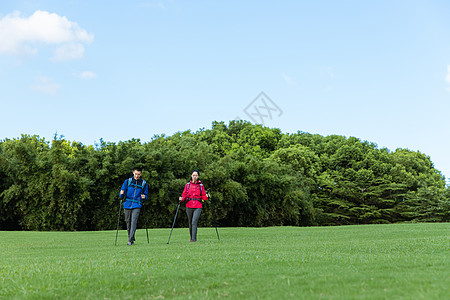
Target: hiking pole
column 146, row 228
column 212, row 213
column 174, row 219
column 118, row 219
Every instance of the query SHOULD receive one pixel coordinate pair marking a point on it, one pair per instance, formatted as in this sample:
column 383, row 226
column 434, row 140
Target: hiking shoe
column 129, row 244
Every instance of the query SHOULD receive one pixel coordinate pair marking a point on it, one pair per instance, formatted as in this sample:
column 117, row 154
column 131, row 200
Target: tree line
column 257, row 176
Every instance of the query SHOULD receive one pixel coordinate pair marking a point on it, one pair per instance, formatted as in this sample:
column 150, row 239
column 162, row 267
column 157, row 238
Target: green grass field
column 402, row 261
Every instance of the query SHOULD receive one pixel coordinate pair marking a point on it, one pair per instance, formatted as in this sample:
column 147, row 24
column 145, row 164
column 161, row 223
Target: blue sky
column 376, row 70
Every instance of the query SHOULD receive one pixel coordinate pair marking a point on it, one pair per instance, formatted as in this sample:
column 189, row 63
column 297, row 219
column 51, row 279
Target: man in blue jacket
column 136, row 191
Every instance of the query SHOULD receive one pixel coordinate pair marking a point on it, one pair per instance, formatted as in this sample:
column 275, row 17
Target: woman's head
column 194, row 175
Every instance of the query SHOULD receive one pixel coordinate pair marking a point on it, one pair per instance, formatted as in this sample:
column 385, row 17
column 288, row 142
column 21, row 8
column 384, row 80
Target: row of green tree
column 257, row 176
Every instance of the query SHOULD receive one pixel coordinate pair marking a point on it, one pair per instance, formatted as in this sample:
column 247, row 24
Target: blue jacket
column 133, row 191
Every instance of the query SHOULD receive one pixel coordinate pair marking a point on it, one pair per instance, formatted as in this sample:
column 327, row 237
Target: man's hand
column 142, row 196
column 180, row 198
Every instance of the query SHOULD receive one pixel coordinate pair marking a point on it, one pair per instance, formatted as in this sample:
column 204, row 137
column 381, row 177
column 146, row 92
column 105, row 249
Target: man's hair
column 139, row 169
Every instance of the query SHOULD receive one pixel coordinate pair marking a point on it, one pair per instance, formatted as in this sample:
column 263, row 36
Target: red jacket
column 196, row 191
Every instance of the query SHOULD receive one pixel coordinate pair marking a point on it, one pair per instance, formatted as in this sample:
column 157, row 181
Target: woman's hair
column 198, row 172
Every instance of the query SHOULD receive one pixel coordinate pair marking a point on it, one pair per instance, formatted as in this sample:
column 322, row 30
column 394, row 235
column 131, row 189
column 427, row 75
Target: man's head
column 137, row 173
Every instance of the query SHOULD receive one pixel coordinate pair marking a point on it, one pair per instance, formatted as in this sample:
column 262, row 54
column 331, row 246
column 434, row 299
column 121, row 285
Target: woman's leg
column 195, row 217
column 190, row 212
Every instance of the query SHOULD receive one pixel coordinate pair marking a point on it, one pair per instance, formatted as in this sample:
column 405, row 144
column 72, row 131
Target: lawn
column 400, row 261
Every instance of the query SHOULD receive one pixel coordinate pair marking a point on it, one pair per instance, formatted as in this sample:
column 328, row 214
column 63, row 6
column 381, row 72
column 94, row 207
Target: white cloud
column 328, row 71
column 46, row 86
column 23, row 35
column 288, row 79
column 88, row 75
column 68, row 52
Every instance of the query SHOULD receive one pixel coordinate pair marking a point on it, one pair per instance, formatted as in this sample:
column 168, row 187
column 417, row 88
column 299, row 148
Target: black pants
column 193, row 215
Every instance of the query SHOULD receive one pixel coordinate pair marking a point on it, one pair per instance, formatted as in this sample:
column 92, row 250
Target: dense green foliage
column 257, row 176
column 395, row 261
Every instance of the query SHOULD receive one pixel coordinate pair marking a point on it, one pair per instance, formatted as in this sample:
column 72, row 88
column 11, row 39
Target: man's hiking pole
column 174, row 219
column 146, row 228
column 118, row 219
column 212, row 213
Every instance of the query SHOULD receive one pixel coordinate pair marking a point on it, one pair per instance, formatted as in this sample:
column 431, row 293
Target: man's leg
column 127, row 214
column 134, row 219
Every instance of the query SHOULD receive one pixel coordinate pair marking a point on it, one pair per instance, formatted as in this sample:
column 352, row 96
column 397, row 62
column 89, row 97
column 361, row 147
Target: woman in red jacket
column 194, row 194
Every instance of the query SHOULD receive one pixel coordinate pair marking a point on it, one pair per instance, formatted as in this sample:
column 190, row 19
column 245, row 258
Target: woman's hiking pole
column 212, row 213
column 118, row 219
column 174, row 219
